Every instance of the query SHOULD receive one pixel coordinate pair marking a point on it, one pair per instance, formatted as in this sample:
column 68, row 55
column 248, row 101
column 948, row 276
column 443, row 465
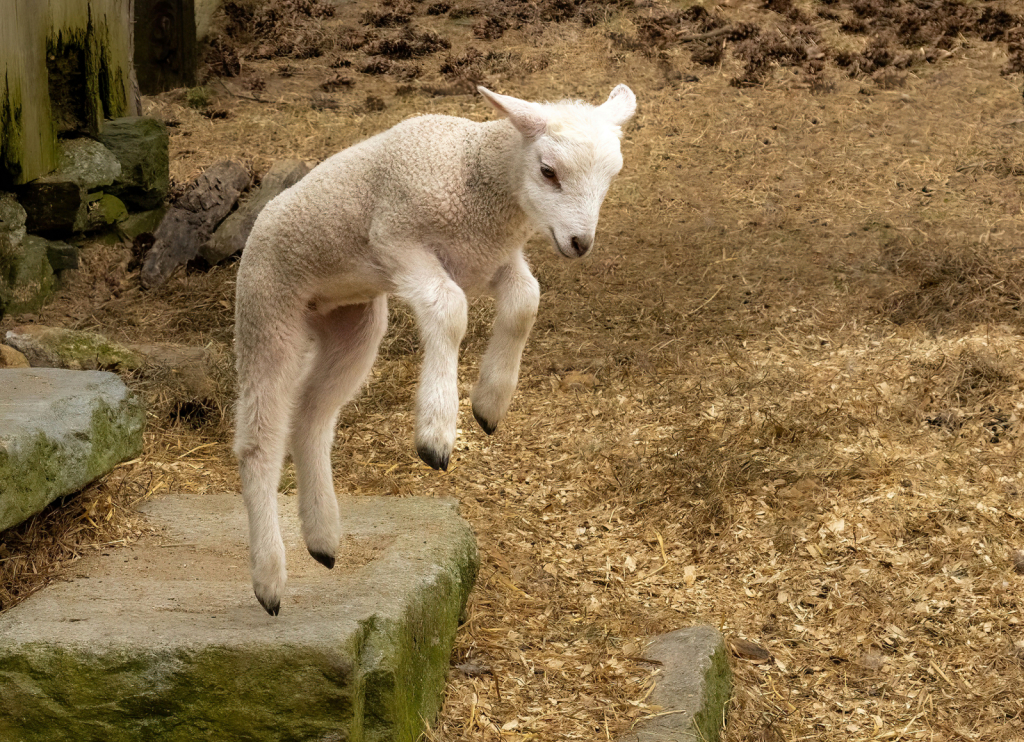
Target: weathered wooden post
column 28, row 142
column 65, row 65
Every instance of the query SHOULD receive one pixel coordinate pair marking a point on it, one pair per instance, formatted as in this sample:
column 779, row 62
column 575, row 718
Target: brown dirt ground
column 783, row 397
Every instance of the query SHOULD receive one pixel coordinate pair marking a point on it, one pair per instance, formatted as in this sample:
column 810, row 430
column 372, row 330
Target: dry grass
column 783, row 398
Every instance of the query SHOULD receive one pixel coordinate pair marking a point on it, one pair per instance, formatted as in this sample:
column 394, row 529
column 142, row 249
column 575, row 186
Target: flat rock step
column 165, row 640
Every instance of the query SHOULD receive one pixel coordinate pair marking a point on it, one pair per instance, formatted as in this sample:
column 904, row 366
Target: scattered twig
column 725, row 31
column 237, row 95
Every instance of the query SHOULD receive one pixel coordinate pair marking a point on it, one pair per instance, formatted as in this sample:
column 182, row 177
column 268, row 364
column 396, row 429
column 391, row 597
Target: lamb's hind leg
column 516, row 295
column 346, row 341
column 270, row 359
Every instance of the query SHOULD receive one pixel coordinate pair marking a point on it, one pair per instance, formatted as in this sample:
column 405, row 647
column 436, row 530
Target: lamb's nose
column 582, row 245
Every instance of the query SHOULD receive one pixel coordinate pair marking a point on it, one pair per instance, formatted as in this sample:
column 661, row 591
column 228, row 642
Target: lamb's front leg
column 440, row 307
column 517, row 294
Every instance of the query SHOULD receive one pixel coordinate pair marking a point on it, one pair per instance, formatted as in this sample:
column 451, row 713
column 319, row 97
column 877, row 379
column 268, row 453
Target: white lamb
column 432, row 210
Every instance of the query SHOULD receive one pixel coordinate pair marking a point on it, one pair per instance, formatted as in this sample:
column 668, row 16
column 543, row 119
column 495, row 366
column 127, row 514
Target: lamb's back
column 428, row 180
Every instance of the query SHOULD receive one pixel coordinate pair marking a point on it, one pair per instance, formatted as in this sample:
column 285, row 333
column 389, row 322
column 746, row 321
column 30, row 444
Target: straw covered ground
column 783, row 397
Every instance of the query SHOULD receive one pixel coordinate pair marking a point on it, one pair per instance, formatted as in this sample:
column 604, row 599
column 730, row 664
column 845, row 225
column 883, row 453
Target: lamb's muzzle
column 430, row 211
column 582, row 245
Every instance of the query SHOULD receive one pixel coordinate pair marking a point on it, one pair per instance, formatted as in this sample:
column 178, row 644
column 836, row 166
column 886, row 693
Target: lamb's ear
column 527, row 117
column 620, row 106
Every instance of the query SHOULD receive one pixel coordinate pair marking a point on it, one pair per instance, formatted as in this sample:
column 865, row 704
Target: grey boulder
column 60, row 430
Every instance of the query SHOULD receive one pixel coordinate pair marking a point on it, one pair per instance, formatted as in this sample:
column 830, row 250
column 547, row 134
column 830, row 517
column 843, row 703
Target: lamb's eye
column 549, row 173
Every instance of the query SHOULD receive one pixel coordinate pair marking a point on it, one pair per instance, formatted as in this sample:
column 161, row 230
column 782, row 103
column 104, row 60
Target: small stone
column 184, row 372
column 53, row 208
column 693, row 689
column 11, row 358
column 232, row 233
column 86, row 163
column 62, row 256
column 186, row 228
column 12, row 235
column 12, row 216
column 29, row 278
column 141, row 147
column 473, row 670
column 1018, row 562
column 101, row 210
column 747, row 650
column 143, row 222
column 576, row 381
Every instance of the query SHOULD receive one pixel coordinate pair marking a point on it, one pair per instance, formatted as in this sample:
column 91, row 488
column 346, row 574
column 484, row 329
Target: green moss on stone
column 717, row 689
column 77, row 350
column 27, row 478
column 380, row 679
column 103, row 209
column 86, row 350
column 405, row 663
column 175, row 695
column 143, row 222
column 35, row 473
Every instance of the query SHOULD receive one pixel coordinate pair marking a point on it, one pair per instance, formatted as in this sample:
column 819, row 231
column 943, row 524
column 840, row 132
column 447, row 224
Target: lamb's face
column 565, row 180
column 570, row 155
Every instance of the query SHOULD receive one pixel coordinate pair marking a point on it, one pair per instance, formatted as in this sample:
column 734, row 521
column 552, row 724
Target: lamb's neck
column 496, row 161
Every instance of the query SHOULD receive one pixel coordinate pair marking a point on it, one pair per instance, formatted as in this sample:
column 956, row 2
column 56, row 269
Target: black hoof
column 487, row 427
column 434, row 459
column 325, row 559
column 273, row 610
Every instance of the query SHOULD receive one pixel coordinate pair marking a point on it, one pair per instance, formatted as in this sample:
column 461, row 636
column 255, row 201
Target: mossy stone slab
column 165, row 640
column 60, row 430
column 58, row 347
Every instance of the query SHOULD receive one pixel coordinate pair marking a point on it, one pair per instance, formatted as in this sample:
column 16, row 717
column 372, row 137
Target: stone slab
column 692, row 689
column 165, row 640
column 60, row 430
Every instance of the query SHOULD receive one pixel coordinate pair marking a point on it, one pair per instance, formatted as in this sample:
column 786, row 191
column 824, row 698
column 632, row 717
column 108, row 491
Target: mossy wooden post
column 65, row 65
column 28, row 142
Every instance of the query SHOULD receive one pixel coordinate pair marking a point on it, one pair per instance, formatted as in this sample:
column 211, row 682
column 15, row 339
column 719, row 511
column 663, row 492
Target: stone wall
column 95, row 185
